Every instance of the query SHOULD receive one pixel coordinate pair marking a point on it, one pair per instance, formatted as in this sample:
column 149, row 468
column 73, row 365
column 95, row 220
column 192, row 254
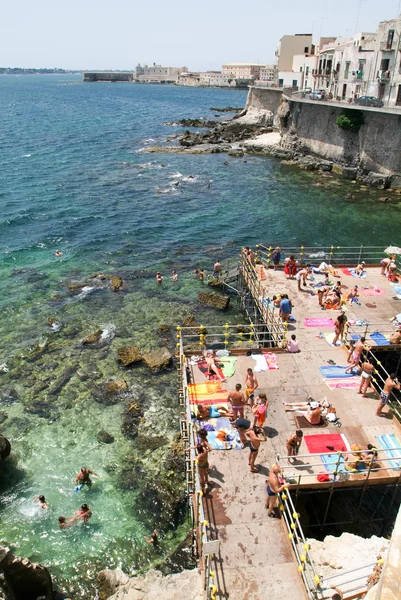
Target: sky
column 119, row 34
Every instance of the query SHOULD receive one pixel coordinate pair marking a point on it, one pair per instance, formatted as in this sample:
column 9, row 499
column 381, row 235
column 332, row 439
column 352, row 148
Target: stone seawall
column 310, row 127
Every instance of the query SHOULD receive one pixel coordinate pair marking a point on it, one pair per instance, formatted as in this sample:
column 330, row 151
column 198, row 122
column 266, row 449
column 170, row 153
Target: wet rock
column 104, row 437
column 196, row 123
column 3, row 416
column 129, row 355
column 57, row 297
column 24, row 580
column 163, row 328
column 190, row 321
column 109, row 582
column 8, row 396
column 95, row 275
column 62, row 380
column 117, row 385
column 376, row 180
column 76, row 288
column 42, row 408
column 236, row 153
column 71, row 331
column 92, row 339
column 116, row 283
column 214, row 300
column 383, row 199
column 226, row 109
column 131, row 420
column 52, row 320
column 158, row 359
column 5, row 449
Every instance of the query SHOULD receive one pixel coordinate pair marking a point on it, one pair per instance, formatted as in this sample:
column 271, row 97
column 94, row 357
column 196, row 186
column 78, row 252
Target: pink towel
column 346, row 272
column 345, row 384
column 318, row 322
column 271, row 360
column 373, row 292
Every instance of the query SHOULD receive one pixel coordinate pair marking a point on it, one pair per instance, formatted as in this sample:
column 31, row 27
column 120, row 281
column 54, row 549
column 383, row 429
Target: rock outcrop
column 129, row 355
column 154, row 586
column 22, row 580
column 214, row 300
column 158, row 359
column 116, row 283
column 93, row 339
column 5, row 449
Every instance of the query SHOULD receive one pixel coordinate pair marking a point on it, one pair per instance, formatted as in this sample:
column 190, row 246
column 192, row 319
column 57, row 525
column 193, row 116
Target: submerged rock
column 117, row 385
column 163, row 328
column 8, row 396
column 158, row 359
column 132, row 417
column 190, row 321
column 129, row 355
column 214, row 300
column 62, row 380
column 104, row 437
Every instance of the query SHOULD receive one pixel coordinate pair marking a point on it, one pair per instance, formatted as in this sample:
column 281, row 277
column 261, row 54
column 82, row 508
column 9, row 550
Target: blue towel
column 352, row 271
column 397, row 288
column 335, row 372
column 390, row 442
column 330, row 462
column 379, row 338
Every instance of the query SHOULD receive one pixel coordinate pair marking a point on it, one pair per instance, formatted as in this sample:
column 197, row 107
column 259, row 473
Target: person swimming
column 41, row 501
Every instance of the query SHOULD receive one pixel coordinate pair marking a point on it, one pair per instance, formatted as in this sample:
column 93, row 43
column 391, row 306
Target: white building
column 242, row 70
column 268, row 73
column 158, row 74
column 386, row 80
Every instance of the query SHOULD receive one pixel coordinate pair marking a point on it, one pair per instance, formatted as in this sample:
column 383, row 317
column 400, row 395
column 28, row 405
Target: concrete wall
column 375, row 147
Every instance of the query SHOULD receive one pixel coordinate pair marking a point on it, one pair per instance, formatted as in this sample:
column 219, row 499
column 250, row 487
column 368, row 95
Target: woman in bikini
column 211, row 366
column 251, row 384
column 339, row 327
column 203, row 466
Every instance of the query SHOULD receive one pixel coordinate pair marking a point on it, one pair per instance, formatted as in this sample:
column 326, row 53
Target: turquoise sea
column 75, row 177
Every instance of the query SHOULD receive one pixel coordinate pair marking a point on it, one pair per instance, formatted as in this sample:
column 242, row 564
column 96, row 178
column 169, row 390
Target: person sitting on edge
column 290, row 267
column 249, row 254
column 273, row 488
column 256, row 436
column 293, row 344
column 41, row 500
column 237, row 400
column 251, row 384
column 360, row 269
column 83, row 477
column 276, row 258
column 285, row 308
column 154, row 538
column 302, row 276
column 352, row 459
column 356, row 354
column 390, row 384
column 293, row 444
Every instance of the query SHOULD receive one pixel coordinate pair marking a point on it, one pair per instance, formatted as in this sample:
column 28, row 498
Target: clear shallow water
column 75, row 176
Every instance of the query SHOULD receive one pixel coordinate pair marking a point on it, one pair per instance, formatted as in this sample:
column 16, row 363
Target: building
column 206, row 79
column 158, row 74
column 291, row 45
column 386, row 80
column 268, row 73
column 249, row 71
column 108, row 76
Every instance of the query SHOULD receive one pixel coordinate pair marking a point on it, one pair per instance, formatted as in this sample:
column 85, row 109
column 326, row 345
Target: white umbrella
column 393, row 250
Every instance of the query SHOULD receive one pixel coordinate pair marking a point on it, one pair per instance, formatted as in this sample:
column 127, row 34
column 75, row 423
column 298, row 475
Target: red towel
column 317, row 444
column 202, row 364
column 347, row 272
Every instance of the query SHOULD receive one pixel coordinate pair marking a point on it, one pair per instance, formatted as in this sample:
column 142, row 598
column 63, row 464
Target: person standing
column 390, row 384
column 366, row 377
column 276, row 258
column 154, row 538
column 256, row 436
column 285, row 308
column 339, row 327
column 356, row 354
column 159, row 278
column 259, row 410
column 203, row 466
column 83, row 477
column 251, row 384
column 174, row 276
column 217, row 270
column 237, row 400
column 273, row 488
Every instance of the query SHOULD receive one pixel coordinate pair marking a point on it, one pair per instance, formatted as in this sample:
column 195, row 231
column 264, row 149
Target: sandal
column 273, row 515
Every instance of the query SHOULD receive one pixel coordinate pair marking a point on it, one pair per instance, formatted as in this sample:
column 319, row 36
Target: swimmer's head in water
column 61, row 519
column 42, row 499
column 84, row 507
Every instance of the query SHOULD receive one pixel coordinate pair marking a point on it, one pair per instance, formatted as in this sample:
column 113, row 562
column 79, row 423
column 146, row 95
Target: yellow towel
column 205, row 388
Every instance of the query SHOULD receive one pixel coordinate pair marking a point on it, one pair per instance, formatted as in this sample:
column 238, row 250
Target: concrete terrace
column 255, row 558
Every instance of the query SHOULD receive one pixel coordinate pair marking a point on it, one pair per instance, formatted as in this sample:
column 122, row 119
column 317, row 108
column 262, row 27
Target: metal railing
column 194, row 490
column 224, row 337
column 335, row 255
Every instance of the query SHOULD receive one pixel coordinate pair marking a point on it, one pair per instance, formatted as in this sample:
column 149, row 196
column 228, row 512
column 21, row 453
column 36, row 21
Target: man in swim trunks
column 242, row 426
column 366, row 377
column 83, row 477
column 285, row 308
column 357, row 353
column 217, row 270
column 390, row 384
column 257, row 436
column 237, row 400
column 273, row 488
column 154, row 538
column 251, row 384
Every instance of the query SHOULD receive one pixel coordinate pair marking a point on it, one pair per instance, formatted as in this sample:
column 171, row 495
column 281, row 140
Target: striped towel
column 391, row 444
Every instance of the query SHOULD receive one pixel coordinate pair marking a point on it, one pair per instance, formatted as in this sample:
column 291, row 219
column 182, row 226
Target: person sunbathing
column 310, row 404
column 353, row 458
column 369, row 456
column 314, row 417
column 211, row 366
column 353, row 295
column 395, row 337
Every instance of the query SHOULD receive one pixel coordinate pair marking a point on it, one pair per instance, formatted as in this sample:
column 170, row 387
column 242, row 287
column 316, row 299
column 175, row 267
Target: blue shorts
column 270, row 491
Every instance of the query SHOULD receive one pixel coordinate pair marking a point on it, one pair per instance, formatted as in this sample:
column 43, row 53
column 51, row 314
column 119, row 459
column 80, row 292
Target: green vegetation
column 350, row 120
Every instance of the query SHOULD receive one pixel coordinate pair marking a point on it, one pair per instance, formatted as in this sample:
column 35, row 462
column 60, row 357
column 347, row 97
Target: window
column 280, row 82
column 294, row 83
column 306, row 49
column 307, row 71
column 346, row 72
column 384, row 65
column 390, row 38
column 300, row 69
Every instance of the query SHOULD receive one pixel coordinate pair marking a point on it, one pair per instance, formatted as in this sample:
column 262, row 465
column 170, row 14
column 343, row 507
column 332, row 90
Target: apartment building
column 291, row 45
column 242, row 71
column 386, row 83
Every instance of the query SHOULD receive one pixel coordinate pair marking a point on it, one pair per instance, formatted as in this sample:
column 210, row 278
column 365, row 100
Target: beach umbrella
column 393, row 250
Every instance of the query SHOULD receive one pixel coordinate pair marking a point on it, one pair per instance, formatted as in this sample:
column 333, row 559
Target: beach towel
column 233, row 442
column 228, row 366
column 379, row 338
column 318, row 322
column 330, row 463
column 261, row 364
column 260, row 272
column 343, row 384
column 358, row 276
column 271, row 360
column 317, row 444
column 391, row 444
column 329, row 337
column 219, row 397
column 303, row 423
column 347, row 272
column 335, row 372
column 202, row 364
column 397, row 287
column 372, row 292
column 205, row 388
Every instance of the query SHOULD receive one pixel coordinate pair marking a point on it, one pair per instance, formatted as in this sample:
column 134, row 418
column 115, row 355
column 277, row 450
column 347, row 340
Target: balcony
column 357, row 76
column 383, row 76
column 386, row 47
